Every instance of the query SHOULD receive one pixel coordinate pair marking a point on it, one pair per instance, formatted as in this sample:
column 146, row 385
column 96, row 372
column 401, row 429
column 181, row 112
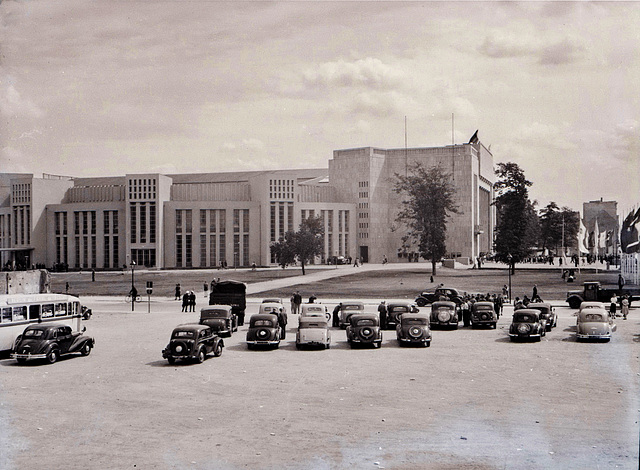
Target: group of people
column 188, row 299
column 622, row 302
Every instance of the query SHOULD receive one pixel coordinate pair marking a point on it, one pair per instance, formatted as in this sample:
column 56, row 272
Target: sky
column 95, row 88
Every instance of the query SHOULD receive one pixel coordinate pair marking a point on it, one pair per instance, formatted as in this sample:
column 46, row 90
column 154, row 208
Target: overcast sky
column 92, row 88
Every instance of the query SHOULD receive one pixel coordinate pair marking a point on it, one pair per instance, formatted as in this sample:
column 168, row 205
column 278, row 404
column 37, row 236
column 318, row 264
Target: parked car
column 220, row 318
column 314, row 310
column 332, row 260
column 364, row 329
column 50, row 341
column 395, row 310
column 277, row 309
column 444, row 314
column 264, row 330
column 347, row 309
column 413, row 328
column 275, row 300
column 313, row 330
column 483, row 314
column 454, row 295
column 588, row 305
column 547, row 313
column 192, row 341
column 526, row 324
column 594, row 323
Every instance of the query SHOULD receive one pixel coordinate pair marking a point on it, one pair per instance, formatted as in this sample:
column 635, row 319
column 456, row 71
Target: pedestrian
column 431, row 279
column 620, row 283
column 505, row 291
column 205, row 287
column 384, row 259
column 534, row 296
column 312, row 298
column 336, row 313
column 93, row 275
column 297, row 300
column 517, row 304
column 192, row 301
column 496, row 305
column 282, row 322
column 382, row 311
column 613, row 306
column 185, row 301
column 625, row 307
column 355, row 262
column 66, row 287
column 293, row 303
column 178, row 295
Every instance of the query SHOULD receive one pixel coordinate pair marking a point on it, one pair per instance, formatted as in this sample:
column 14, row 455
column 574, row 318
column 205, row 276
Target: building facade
column 600, row 218
column 212, row 219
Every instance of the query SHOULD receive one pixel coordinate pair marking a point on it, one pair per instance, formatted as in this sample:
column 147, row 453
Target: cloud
column 546, row 50
column 367, row 73
column 250, row 143
column 12, row 104
column 562, row 52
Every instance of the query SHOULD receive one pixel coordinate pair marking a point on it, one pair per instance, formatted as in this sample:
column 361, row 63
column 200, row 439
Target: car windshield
column 443, row 309
column 415, row 321
column 366, row 322
column 33, row 333
column 314, row 309
column 484, row 307
column 351, row 307
column 268, row 309
column 313, row 325
column 526, row 318
column 214, row 313
column 400, row 308
column 594, row 317
column 183, row 334
column 263, row 323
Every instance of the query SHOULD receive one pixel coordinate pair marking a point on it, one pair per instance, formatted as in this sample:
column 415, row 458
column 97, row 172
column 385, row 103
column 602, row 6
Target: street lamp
column 133, row 289
column 509, row 260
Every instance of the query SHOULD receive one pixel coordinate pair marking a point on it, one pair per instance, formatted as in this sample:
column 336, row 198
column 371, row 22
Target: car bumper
column 415, row 340
column 256, row 342
column 586, row 336
column 518, row 335
column 312, row 343
column 365, row 341
column 27, row 356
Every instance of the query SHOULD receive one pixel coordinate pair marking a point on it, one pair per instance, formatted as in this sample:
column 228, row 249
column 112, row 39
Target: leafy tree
column 554, row 222
column 429, row 201
column 517, row 226
column 303, row 245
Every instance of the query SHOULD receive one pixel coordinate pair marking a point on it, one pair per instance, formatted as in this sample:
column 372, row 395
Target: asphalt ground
column 473, row 400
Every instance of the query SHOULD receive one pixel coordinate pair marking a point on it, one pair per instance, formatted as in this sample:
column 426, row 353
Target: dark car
column 220, row 318
column 50, row 341
column 526, row 324
column 449, row 293
column 444, row 314
column 394, row 311
column 483, row 314
column 364, row 329
column 414, row 329
column 192, row 341
column 547, row 313
column 264, row 330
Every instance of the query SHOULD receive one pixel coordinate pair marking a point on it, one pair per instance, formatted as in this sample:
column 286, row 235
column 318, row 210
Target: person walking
column 336, row 313
column 297, row 301
column 178, row 295
column 625, row 307
column 192, row 301
column 620, row 283
column 534, row 295
column 382, row 312
column 185, row 301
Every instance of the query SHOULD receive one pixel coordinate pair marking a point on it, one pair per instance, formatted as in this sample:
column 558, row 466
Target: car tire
column 250, row 346
column 171, row 359
column 427, row 344
column 574, row 303
column 21, row 360
column 421, row 302
column 53, row 356
column 494, row 325
column 86, row 349
column 298, row 346
column 202, row 355
column 217, row 350
column 538, row 339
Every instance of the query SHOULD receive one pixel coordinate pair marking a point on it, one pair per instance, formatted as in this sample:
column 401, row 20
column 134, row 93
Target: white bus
column 17, row 311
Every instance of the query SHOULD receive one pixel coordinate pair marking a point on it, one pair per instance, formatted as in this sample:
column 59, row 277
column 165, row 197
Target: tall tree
column 303, row 245
column 517, row 226
column 428, row 202
column 556, row 223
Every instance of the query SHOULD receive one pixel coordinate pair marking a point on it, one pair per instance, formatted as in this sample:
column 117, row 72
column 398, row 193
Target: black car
column 447, row 293
column 364, row 329
column 483, row 314
column 192, row 341
column 220, row 318
column 264, row 330
column 394, row 311
column 50, row 341
column 526, row 324
column 414, row 329
column 547, row 313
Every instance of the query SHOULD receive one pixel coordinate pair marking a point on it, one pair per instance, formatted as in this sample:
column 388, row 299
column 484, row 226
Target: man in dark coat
column 336, row 313
column 382, row 311
column 185, row 301
column 192, row 301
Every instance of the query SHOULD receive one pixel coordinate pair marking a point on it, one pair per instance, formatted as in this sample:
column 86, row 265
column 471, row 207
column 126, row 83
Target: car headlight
column 524, row 328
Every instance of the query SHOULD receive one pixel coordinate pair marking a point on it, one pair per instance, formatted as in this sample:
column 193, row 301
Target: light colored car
column 275, row 300
column 274, row 308
column 347, row 309
column 313, row 330
column 594, row 323
column 314, row 310
column 587, row 305
column 413, row 328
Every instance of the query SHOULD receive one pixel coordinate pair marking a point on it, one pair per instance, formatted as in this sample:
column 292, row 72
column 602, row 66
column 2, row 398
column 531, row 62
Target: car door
column 64, row 339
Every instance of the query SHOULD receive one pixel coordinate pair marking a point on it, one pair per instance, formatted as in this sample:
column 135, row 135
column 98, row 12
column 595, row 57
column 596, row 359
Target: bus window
column 19, row 313
column 34, row 312
column 6, row 315
column 61, row 309
column 47, row 310
column 74, row 308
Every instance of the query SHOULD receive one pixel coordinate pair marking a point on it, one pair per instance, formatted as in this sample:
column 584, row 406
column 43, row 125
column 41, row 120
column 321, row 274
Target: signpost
column 149, row 291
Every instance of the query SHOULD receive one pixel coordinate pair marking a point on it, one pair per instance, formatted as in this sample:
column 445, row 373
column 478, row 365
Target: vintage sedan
column 264, row 330
column 413, row 328
column 526, row 324
column 483, row 314
column 547, row 313
column 313, row 330
column 395, row 310
column 444, row 314
column 314, row 310
column 50, row 341
column 594, row 323
column 364, row 329
column 347, row 309
column 590, row 304
column 220, row 318
column 275, row 300
column 450, row 293
column 192, row 341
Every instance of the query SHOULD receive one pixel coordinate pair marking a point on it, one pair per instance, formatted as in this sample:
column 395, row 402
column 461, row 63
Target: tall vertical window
column 106, row 253
column 178, row 251
column 116, row 258
column 93, row 251
column 187, row 220
column 134, row 223
column 223, row 220
column 187, row 250
column 212, row 250
column 115, row 221
column 178, row 220
column 203, row 250
column 203, row 220
column 273, row 222
column 212, row 221
column 236, row 220
column 152, row 221
column 105, row 222
column 290, row 216
column 143, row 222
column 223, row 248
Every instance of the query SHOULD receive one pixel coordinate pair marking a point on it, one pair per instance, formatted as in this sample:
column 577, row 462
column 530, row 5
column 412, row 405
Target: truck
column 232, row 293
column 593, row 291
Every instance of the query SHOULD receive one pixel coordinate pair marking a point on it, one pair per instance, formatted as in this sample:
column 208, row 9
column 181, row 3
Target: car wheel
column 327, row 346
column 249, row 346
column 538, row 339
column 574, row 303
column 420, row 302
column 86, row 349
column 201, row 355
column 171, row 359
column 217, row 351
column 53, row 356
column 21, row 360
column 494, row 325
column 427, row 344
column 298, row 346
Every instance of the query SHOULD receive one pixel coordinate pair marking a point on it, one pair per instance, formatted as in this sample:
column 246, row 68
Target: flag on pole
column 630, row 233
column 596, row 238
column 582, row 235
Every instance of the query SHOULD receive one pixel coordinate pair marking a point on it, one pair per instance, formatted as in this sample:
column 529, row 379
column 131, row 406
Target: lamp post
column 133, row 289
column 509, row 260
